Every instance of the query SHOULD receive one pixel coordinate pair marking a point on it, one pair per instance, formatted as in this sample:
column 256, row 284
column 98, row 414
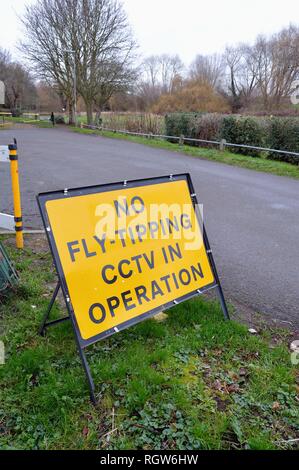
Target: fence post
column 222, row 145
column 182, row 140
column 14, row 170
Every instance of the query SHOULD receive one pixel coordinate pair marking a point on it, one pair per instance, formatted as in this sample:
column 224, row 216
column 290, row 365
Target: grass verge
column 252, row 163
column 190, row 382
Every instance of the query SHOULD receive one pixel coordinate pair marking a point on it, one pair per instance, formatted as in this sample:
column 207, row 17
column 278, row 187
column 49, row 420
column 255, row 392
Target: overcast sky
column 181, row 27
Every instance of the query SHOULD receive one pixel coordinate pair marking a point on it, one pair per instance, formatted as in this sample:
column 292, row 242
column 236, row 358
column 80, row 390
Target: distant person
column 52, row 118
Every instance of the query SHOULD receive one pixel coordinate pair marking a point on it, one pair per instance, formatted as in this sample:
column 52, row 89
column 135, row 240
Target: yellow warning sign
column 127, row 252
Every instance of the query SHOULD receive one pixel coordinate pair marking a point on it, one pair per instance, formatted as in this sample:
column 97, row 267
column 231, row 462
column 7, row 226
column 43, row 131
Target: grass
column 190, row 382
column 33, row 122
column 252, row 163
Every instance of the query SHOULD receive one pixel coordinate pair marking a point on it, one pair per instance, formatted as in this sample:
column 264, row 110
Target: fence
column 182, row 139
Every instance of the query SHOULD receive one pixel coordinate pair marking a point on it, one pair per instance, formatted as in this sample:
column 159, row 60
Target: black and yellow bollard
column 14, row 170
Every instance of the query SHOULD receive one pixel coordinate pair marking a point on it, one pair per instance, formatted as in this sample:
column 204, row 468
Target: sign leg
column 88, row 375
column 50, row 306
column 222, row 302
column 85, row 366
column 213, row 265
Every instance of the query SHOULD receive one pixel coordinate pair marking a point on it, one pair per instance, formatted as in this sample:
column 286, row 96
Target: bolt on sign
column 125, row 252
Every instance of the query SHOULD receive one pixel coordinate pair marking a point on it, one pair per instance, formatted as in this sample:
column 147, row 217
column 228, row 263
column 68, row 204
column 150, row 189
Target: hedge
column 177, row 124
column 276, row 133
column 243, row 130
column 284, row 135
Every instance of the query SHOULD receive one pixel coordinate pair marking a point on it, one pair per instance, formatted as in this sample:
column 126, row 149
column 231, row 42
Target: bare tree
column 20, row 90
column 45, row 44
column 170, row 68
column 114, row 77
column 89, row 32
column 49, row 98
column 107, row 51
column 151, row 70
column 268, row 69
column 241, row 73
column 5, row 59
column 159, row 75
column 277, row 62
column 208, row 70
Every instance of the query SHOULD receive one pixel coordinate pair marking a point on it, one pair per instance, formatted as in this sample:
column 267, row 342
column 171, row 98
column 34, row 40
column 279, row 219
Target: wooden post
column 222, row 145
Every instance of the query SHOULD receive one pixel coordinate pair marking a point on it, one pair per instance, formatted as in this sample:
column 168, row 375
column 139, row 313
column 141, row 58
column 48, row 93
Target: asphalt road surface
column 252, row 218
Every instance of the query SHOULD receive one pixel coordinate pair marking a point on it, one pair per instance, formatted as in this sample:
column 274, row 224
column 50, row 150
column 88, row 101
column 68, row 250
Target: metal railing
column 182, row 139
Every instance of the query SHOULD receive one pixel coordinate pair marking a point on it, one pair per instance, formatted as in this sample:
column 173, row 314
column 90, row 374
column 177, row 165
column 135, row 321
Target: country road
column 252, row 218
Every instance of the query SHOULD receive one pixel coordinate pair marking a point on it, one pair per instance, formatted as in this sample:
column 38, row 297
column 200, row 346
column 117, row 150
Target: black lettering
column 141, row 294
column 131, row 235
column 72, row 251
column 187, row 224
column 101, row 242
column 120, row 269
column 196, row 272
column 165, row 255
column 156, row 290
column 122, row 237
column 175, row 252
column 104, row 275
column 121, row 208
column 140, row 202
column 141, row 231
column 166, row 280
column 175, row 280
column 153, row 228
column 113, row 304
column 181, row 276
column 88, row 254
column 173, row 225
column 127, row 300
column 92, row 314
column 162, row 226
column 137, row 260
column 150, row 262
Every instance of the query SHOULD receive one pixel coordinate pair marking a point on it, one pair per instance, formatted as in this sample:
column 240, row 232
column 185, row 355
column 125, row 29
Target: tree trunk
column 71, row 114
column 98, row 119
column 89, row 113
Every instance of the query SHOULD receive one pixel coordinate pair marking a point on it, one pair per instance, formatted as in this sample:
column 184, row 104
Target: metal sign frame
column 42, row 199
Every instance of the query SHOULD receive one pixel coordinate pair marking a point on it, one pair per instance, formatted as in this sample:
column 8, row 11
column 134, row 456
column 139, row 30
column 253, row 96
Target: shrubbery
column 284, row 135
column 276, row 133
column 193, row 97
column 206, row 126
column 243, row 130
column 177, row 124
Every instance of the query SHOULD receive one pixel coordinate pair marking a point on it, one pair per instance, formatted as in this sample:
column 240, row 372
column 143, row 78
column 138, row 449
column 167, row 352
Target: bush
column 59, row 119
column 284, row 135
column 178, row 124
column 247, row 131
column 206, row 126
column 193, row 97
column 212, row 126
